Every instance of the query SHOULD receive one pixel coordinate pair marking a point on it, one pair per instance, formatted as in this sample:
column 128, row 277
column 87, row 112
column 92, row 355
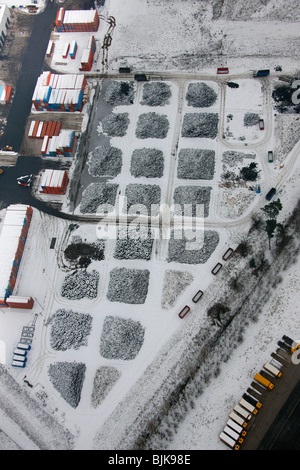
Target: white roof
column 9, row 240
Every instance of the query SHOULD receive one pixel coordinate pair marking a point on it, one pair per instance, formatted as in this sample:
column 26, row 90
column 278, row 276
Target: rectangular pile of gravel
column 152, row 126
column 98, row 194
column 156, row 94
column 147, row 162
column 193, row 195
column 144, row 195
column 121, row 338
column 129, row 286
column 200, row 95
column 196, row 164
column 105, row 160
column 179, row 253
column 203, row 125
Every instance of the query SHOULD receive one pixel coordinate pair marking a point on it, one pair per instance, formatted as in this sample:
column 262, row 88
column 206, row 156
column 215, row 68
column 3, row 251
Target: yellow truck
column 265, row 382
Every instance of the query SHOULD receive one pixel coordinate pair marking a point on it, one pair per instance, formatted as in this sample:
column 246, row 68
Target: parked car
column 25, row 180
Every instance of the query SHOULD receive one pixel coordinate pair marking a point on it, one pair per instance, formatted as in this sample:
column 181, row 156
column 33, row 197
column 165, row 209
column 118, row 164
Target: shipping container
column 184, row 311
column 217, row 268
column 197, row 296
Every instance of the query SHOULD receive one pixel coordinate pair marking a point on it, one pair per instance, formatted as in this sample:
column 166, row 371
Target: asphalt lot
column 276, row 425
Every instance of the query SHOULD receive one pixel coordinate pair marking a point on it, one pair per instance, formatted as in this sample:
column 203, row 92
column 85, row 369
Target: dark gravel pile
column 115, row 125
column 69, row 329
column 204, row 125
column 129, row 286
column 121, row 338
column 147, row 162
column 105, row 161
column 196, row 164
column 104, row 380
column 80, row 284
column 119, row 93
column 144, row 194
column 152, row 125
column 193, row 195
column 68, row 378
column 200, row 95
column 179, row 254
column 97, row 194
column 130, row 248
column 251, row 119
column 156, row 94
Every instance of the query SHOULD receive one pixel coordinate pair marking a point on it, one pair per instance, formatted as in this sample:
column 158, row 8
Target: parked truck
column 229, row 441
column 294, row 345
column 233, row 434
column 252, row 400
column 263, row 381
column 245, row 404
column 236, row 427
column 20, row 352
column 272, row 369
column 238, row 419
column 270, row 194
column 261, row 73
column 25, row 346
column 241, row 411
column 141, row 77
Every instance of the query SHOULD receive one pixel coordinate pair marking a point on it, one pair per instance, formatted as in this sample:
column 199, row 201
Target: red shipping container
column 57, row 129
column 44, row 129
column 36, row 125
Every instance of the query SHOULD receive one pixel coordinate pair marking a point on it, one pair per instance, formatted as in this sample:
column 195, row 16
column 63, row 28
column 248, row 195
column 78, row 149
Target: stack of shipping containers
column 12, row 242
column 54, row 182
column 55, row 92
column 5, row 94
column 76, row 20
column 61, row 145
column 88, row 55
column 40, row 129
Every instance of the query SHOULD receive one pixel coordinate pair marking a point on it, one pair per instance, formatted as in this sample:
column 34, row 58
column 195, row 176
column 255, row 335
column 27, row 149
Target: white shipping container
column 30, row 132
column 233, row 434
column 241, row 411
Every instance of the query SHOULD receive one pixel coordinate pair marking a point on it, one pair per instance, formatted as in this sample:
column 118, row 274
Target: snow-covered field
column 109, row 348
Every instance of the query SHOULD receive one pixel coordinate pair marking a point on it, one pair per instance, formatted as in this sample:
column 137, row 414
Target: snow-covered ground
column 128, row 373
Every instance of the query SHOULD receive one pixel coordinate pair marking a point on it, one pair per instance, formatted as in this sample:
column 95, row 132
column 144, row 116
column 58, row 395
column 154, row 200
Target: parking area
column 272, row 402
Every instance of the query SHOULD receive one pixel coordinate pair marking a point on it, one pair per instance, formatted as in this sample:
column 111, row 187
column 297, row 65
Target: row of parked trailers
column 199, row 294
column 20, row 355
column 250, row 403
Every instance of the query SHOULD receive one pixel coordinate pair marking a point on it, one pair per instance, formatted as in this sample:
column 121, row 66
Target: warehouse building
column 12, row 242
